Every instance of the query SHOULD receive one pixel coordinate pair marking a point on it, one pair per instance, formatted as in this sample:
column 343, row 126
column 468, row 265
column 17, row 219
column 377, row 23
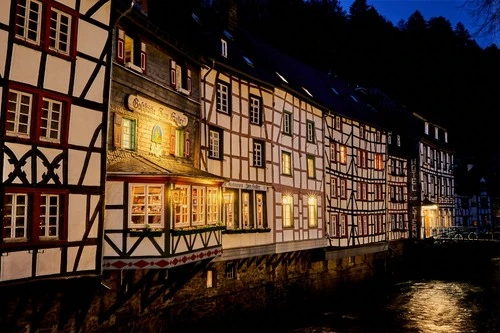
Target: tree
column 486, row 14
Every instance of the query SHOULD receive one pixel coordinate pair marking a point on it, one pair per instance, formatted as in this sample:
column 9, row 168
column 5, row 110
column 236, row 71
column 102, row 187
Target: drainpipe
column 204, row 118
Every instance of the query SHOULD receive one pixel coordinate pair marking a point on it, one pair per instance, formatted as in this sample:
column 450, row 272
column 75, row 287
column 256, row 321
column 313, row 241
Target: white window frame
column 28, row 25
column 51, row 120
column 310, row 131
column 128, row 133
column 59, row 40
column 255, row 110
column 223, row 48
column 50, row 216
column 198, row 199
column 18, row 213
column 258, row 153
column 287, row 122
column 215, row 143
column 149, row 206
column 223, row 95
column 20, row 114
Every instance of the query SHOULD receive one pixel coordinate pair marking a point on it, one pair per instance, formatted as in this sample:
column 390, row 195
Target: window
column 124, row 132
column 312, row 211
column 362, row 158
column 180, row 77
column 286, row 163
column 377, row 136
column 215, row 143
column 334, row 225
column 146, row 205
column 195, row 205
column 362, row 191
column 389, row 138
column 334, row 189
column 333, row 151
column 379, row 192
column 255, row 110
column 50, row 28
column 60, row 31
column 260, row 210
column 426, row 128
column 131, row 51
column 258, row 153
column 446, row 136
column 338, row 123
column 33, row 215
column 361, row 132
column 223, row 48
column 379, row 162
column 436, row 133
column 398, row 140
column 287, row 211
column 246, row 211
column 223, row 97
column 311, row 135
column 198, row 205
column 311, row 167
column 34, row 111
column 343, row 154
column 343, row 225
column 287, row 122
column 343, row 188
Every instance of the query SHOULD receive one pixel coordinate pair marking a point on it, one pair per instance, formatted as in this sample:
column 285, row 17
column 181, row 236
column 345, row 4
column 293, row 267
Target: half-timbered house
column 432, row 170
column 54, row 88
column 161, row 211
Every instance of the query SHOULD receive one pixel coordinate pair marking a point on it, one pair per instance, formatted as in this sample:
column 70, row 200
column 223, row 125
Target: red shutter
column 117, row 130
column 173, row 74
column 120, row 46
column 143, row 56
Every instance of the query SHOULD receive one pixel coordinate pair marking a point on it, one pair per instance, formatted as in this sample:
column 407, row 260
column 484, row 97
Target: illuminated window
column 212, row 205
column 311, row 167
column 312, row 210
column 343, row 154
column 260, row 210
column 146, row 205
column 131, row 51
column 287, row 211
column 180, row 77
column 198, row 205
column 286, row 163
column 379, row 161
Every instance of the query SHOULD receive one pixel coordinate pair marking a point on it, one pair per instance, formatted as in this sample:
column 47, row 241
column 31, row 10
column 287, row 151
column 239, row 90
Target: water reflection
column 467, row 301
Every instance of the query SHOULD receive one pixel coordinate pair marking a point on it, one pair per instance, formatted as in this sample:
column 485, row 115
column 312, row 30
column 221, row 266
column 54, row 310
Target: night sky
column 454, row 11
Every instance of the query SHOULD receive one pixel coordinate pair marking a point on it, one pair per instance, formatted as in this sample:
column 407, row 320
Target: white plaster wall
column 114, row 193
column 91, row 39
column 15, row 265
column 113, row 219
column 69, row 3
column 230, row 241
column 76, row 216
column 146, row 248
column 48, row 262
column 115, row 239
column 84, row 70
column 82, row 126
column 25, row 62
column 87, row 260
column 4, row 12
column 76, row 160
column 57, row 74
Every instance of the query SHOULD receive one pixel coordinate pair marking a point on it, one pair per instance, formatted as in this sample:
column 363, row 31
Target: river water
column 461, row 300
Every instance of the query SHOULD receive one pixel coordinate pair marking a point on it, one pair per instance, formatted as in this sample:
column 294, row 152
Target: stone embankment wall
column 179, row 300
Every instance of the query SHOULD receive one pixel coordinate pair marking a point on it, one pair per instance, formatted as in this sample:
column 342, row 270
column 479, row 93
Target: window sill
column 145, row 232
column 195, row 230
column 246, row 231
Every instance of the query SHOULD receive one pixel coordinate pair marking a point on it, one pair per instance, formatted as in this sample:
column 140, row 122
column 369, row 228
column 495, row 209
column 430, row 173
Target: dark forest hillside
column 431, row 67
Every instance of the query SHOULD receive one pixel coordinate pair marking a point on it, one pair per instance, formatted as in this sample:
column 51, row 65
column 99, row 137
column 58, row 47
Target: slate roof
column 133, row 164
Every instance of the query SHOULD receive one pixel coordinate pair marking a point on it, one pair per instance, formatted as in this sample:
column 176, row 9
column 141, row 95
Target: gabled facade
column 54, row 86
column 161, row 210
column 432, row 179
